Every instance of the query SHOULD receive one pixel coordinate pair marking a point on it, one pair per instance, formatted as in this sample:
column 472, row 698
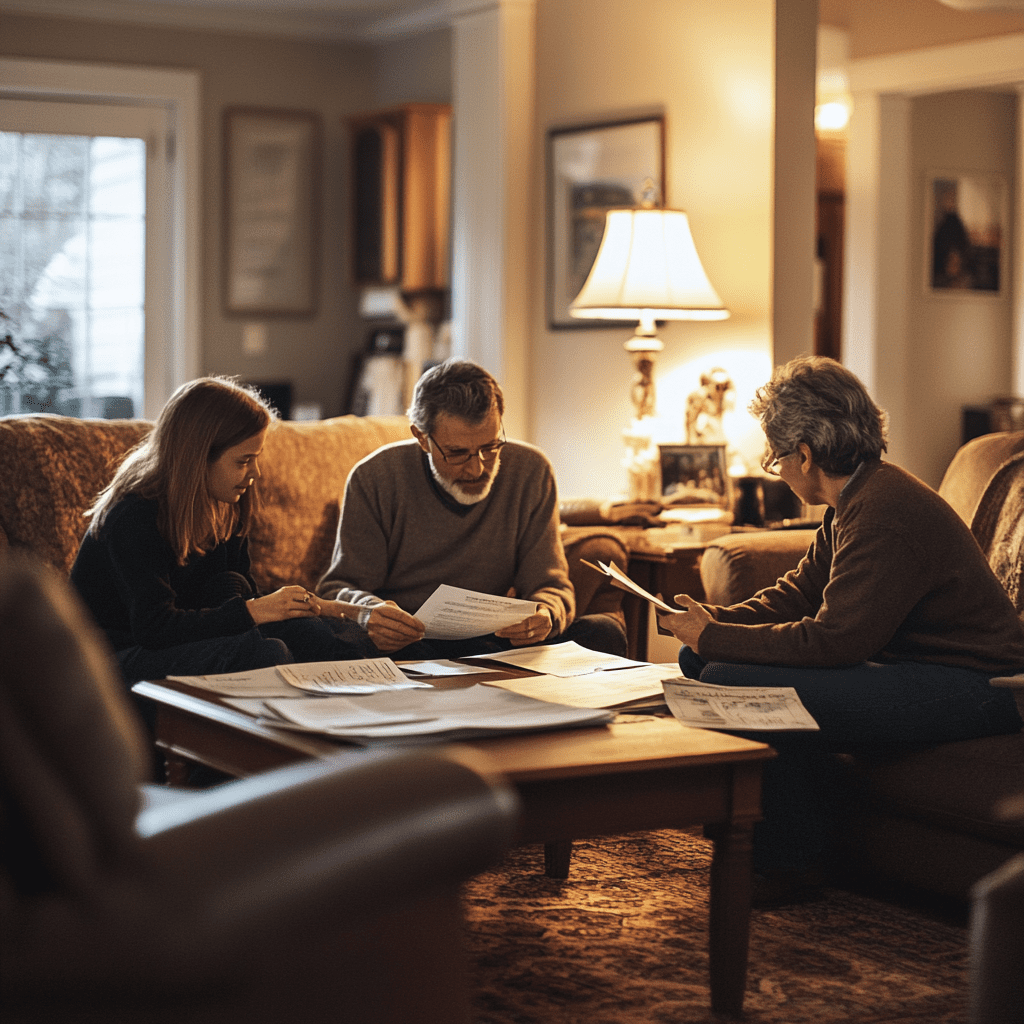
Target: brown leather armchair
column 997, row 945
column 327, row 890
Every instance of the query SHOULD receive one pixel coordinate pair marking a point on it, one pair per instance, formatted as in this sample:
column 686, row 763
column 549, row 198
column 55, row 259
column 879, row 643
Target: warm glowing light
column 831, row 116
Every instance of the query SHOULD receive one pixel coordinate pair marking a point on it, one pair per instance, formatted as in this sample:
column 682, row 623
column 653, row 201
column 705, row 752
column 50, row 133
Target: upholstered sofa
column 52, row 468
column 940, row 818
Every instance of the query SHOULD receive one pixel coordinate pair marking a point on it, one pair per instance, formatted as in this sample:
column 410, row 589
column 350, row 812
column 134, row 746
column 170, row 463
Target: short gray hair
column 457, row 387
column 818, row 402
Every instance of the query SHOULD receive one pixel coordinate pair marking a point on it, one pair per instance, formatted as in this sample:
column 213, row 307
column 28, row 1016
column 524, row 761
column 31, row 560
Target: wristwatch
column 364, row 618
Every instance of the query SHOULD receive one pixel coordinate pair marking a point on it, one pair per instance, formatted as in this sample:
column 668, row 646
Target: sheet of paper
column 759, row 708
column 365, row 675
column 260, row 682
column 476, row 710
column 640, row 686
column 441, row 667
column 565, row 659
column 623, row 582
column 259, row 709
column 451, row 613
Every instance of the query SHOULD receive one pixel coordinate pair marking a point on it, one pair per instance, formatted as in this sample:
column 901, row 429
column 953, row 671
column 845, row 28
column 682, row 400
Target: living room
column 735, row 84
column 734, row 125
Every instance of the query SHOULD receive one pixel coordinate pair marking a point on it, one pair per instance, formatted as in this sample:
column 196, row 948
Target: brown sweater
column 893, row 574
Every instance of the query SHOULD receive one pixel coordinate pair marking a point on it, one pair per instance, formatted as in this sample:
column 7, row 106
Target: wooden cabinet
column 402, row 196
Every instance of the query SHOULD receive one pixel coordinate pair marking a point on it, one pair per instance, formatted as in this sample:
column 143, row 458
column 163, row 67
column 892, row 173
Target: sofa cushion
column 735, row 567
column 972, row 468
column 998, row 527
column 52, row 468
column 971, row 786
column 305, row 466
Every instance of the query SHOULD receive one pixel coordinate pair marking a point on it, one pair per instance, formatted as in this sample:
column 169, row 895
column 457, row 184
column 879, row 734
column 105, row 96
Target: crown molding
column 337, row 20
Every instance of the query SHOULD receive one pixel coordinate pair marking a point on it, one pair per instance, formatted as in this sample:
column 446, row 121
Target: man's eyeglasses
column 460, row 456
column 770, row 462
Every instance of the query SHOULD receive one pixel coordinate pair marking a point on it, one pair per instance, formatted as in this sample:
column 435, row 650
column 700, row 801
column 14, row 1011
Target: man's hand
column 390, row 627
column 532, row 630
column 688, row 624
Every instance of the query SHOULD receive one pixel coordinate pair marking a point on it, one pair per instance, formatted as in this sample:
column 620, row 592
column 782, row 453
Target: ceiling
column 361, row 20
column 358, row 20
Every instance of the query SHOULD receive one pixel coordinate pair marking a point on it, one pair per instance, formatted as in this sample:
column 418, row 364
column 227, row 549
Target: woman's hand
column 287, row 603
column 686, row 625
column 532, row 630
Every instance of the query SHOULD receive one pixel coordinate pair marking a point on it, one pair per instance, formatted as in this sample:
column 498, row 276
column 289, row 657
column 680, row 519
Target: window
column 95, row 231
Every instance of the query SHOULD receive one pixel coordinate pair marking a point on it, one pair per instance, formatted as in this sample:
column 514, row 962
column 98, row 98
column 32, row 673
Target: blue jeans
column 889, row 708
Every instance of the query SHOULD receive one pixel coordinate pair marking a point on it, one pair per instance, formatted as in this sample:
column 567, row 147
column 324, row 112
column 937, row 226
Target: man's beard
column 459, row 493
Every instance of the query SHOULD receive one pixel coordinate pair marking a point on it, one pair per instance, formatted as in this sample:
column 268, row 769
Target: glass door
column 83, row 212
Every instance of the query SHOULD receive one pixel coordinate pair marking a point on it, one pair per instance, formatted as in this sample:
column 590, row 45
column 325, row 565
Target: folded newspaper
column 753, row 708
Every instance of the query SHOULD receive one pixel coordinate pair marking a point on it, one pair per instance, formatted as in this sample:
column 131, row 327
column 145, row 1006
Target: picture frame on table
column 966, row 228
column 271, row 211
column 592, row 169
column 694, row 475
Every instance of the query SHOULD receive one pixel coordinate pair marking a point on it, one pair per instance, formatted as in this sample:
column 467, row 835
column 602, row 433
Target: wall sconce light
column 647, row 269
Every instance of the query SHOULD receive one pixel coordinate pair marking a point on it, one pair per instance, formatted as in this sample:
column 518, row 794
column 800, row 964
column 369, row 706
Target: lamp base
column 643, row 348
column 642, row 461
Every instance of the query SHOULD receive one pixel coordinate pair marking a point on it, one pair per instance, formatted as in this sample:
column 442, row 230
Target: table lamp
column 647, row 269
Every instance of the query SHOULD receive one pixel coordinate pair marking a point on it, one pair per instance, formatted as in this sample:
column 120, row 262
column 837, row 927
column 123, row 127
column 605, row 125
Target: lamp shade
column 647, row 268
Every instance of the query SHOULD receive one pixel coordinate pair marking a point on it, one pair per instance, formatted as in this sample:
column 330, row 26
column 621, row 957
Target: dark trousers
column 274, row 643
column 602, row 633
column 886, row 708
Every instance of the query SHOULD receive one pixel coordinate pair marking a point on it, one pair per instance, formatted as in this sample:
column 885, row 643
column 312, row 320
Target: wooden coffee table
column 638, row 774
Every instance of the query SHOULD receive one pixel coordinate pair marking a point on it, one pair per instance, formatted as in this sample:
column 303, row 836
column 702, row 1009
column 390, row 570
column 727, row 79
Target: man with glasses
column 457, row 504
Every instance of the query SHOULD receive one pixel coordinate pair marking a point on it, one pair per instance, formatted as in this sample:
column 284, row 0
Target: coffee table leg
column 557, row 855
column 729, row 924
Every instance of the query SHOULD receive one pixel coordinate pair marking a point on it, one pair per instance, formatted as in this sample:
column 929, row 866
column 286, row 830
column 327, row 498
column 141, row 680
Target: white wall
column 958, row 343
column 710, row 68
column 923, row 357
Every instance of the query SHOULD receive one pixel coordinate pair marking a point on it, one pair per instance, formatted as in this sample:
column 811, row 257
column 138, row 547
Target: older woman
column 889, row 629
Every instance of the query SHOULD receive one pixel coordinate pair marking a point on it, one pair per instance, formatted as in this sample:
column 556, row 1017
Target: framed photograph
column 966, row 228
column 694, row 474
column 591, row 170
column 272, row 172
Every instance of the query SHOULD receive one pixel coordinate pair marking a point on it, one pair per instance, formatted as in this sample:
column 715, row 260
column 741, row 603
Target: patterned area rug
column 623, row 940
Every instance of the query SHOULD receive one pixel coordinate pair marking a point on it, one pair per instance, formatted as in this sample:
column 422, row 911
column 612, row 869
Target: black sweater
column 139, row 595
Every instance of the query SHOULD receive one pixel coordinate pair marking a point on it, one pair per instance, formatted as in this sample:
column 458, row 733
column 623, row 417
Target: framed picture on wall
column 591, row 170
column 694, row 474
column 966, row 224
column 271, row 211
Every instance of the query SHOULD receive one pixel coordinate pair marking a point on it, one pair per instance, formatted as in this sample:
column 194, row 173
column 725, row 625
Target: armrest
column 243, row 872
column 361, row 829
column 997, row 944
column 1014, row 683
column 735, row 567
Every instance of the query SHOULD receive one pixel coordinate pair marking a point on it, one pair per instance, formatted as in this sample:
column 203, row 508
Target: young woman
column 164, row 565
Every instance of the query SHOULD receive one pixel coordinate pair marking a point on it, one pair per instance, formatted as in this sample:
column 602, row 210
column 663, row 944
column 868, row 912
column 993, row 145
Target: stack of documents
column 565, row 659
column 367, row 675
column 628, row 689
column 427, row 716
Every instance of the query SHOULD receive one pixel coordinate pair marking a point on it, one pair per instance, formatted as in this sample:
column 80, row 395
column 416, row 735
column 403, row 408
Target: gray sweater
column 400, row 536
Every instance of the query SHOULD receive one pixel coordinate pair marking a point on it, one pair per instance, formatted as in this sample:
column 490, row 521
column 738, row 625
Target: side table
column 664, row 570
